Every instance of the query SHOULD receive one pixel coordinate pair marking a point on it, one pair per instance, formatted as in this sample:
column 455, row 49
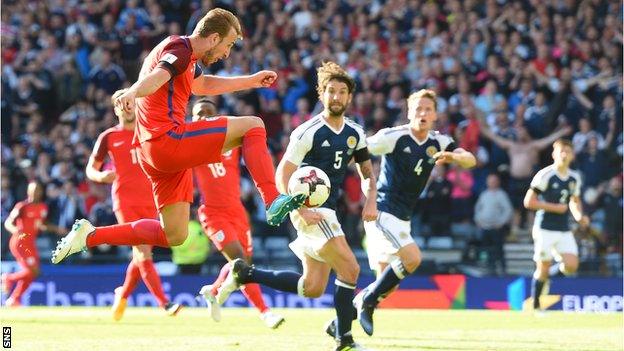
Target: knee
column 141, row 255
column 570, row 267
column 176, row 237
column 349, row 274
column 412, row 262
column 313, row 289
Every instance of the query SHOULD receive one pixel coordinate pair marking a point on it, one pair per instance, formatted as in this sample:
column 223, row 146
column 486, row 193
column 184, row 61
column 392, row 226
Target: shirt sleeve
column 539, row 182
column 100, row 150
column 175, row 57
column 379, row 144
column 298, row 147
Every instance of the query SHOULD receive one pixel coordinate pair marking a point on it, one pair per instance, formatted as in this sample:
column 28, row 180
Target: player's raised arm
column 215, row 85
column 379, row 144
column 145, row 86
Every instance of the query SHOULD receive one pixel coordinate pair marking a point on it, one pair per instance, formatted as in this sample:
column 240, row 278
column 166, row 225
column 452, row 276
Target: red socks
column 23, row 278
column 259, row 163
column 146, row 271
column 132, row 278
column 141, row 232
column 254, row 295
column 152, row 281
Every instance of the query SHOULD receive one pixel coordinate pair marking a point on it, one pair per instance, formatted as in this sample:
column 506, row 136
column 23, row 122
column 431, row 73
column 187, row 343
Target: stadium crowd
column 511, row 77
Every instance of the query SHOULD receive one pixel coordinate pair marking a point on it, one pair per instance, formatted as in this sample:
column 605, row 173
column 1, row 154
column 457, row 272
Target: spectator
column 493, row 213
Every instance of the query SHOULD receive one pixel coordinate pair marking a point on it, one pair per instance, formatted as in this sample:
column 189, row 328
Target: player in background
column 168, row 147
column 132, row 200
column 328, row 141
column 554, row 190
column 25, row 221
column 224, row 219
column 409, row 154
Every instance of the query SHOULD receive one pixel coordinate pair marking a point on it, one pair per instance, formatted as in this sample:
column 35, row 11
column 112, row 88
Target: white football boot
column 211, row 302
column 73, row 242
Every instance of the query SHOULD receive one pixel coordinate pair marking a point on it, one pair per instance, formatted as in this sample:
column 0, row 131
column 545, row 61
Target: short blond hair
column 331, row 70
column 424, row 93
column 218, row 21
column 563, row 142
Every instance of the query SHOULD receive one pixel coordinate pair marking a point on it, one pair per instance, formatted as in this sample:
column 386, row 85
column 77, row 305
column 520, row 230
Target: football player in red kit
column 132, row 200
column 224, row 220
column 25, row 221
column 168, row 147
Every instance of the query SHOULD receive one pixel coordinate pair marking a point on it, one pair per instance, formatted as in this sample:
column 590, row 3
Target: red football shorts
column 168, row 160
column 134, row 213
column 24, row 250
column 224, row 226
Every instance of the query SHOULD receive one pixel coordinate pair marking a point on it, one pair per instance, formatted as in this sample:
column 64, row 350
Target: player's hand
column 125, row 101
column 310, row 217
column 108, row 176
column 263, row 79
column 584, row 222
column 369, row 212
column 443, row 157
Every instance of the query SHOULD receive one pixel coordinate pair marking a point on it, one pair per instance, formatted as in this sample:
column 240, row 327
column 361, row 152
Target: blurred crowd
column 511, row 77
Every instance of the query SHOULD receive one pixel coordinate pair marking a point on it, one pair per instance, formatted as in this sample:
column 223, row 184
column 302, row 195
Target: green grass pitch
column 92, row 329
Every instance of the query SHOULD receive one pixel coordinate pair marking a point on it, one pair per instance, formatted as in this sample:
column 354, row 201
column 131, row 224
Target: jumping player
column 132, row 201
column 328, row 141
column 168, row 148
column 553, row 190
column 409, row 153
column 224, row 220
column 27, row 218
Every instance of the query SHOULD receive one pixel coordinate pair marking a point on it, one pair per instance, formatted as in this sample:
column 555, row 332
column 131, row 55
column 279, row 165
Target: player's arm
column 459, row 156
column 365, row 169
column 215, row 85
column 94, row 165
column 145, row 86
column 9, row 223
column 576, row 208
column 531, row 202
column 380, row 143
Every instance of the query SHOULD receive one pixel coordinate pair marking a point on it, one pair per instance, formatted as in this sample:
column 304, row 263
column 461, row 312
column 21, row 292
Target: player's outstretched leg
column 242, row 273
column 249, row 132
column 84, row 235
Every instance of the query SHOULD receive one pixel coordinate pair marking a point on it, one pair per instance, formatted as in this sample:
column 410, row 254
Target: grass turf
column 142, row 329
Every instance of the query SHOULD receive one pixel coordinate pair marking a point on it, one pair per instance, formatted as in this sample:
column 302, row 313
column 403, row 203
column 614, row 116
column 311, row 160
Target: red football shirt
column 166, row 108
column 29, row 217
column 131, row 186
column 219, row 183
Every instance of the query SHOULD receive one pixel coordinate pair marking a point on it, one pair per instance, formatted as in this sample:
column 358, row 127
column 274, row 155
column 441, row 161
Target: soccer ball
column 311, row 181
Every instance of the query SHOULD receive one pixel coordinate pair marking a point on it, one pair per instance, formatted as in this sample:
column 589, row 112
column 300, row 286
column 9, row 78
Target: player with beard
column 168, row 147
column 329, row 141
column 131, row 201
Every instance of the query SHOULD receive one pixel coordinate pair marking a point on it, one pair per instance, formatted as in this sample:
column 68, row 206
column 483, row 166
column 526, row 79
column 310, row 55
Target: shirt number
column 217, row 169
column 564, row 196
column 338, row 160
column 418, row 169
